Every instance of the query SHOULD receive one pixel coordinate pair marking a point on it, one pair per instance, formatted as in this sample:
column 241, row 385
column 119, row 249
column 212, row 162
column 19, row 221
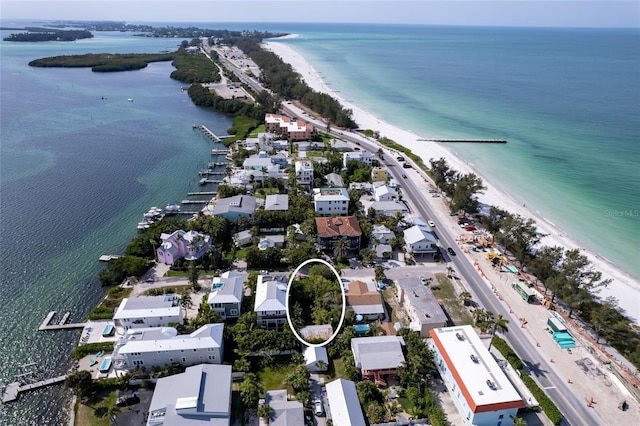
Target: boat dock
column 12, row 390
column 464, row 140
column 208, row 133
column 219, row 151
column 218, row 163
column 195, row 201
column 202, row 193
column 210, row 173
column 108, row 257
column 62, row 325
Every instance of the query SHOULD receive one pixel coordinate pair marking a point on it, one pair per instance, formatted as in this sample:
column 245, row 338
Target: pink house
column 295, row 130
column 190, row 245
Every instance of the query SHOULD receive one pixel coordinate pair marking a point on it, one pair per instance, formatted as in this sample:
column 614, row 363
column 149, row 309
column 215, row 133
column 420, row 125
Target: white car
column 431, row 224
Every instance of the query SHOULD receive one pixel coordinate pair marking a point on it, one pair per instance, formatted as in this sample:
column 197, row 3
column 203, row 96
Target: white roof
column 462, row 345
column 315, row 353
column 270, row 296
column 386, row 206
column 207, row 336
column 377, row 353
column 385, row 190
column 276, row 202
column 330, row 194
column 416, row 234
column 343, row 400
column 304, row 165
column 231, row 290
column 200, row 395
column 148, row 307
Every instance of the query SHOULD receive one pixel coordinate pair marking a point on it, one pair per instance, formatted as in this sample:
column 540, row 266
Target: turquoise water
column 567, row 101
column 76, row 173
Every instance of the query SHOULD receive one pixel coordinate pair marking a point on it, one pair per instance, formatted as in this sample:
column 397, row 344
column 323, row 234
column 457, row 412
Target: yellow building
column 379, row 174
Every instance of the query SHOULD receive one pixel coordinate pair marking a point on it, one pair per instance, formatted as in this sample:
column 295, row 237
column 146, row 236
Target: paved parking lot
column 136, row 415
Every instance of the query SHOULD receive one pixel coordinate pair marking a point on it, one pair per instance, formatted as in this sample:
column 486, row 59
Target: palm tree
column 466, row 298
column 341, row 248
column 264, row 411
column 450, row 271
column 518, row 421
column 185, row 302
column 321, row 364
column 498, row 323
column 264, row 172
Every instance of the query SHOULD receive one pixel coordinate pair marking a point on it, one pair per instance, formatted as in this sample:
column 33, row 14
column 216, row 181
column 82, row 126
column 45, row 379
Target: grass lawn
column 259, row 129
column 241, row 254
column 94, row 412
column 274, row 377
column 338, row 368
column 263, row 192
column 446, row 295
column 406, row 405
column 177, row 289
column 315, row 154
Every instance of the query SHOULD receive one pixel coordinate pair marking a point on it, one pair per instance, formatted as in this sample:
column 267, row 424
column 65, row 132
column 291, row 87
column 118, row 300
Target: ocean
column 77, row 171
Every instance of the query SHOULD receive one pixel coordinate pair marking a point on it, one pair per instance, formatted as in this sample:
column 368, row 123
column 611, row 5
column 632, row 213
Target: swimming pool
column 105, row 366
column 361, row 328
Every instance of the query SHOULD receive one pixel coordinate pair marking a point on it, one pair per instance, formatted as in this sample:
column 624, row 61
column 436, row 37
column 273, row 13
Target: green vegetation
column 203, row 97
column 400, row 148
column 461, row 188
column 103, row 62
column 242, row 127
column 92, row 348
column 446, row 295
column 47, row 34
column 282, row 79
column 119, row 269
column 109, row 303
column 550, row 409
column 194, row 68
column 98, row 411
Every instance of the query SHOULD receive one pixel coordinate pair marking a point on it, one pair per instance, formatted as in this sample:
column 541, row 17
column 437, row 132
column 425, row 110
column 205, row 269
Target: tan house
column 364, row 299
column 331, row 229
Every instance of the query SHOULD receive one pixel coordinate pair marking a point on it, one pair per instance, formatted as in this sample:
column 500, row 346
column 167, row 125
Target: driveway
column 316, row 393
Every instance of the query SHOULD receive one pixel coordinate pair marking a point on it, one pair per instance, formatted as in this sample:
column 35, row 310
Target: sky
column 547, row 13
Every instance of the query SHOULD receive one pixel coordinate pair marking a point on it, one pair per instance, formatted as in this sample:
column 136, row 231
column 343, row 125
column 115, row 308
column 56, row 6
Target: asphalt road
column 573, row 408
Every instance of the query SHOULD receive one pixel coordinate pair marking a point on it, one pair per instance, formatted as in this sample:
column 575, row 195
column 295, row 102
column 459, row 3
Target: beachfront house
column 226, row 294
column 362, row 156
column 283, row 411
column 365, row 300
column 420, row 241
column 294, row 130
column 200, row 395
column 481, row 391
column 423, row 309
column 332, row 229
column 344, row 403
column 180, row 244
column 304, row 173
column 270, row 303
column 378, row 357
column 233, row 208
column 331, row 201
column 157, row 346
column 148, row 311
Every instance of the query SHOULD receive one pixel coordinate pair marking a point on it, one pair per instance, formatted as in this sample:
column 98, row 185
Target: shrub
column 91, row 348
column 101, row 312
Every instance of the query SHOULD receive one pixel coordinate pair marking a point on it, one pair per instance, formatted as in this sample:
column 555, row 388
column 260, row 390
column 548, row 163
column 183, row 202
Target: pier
column 202, row 193
column 218, row 163
column 209, row 134
column 12, row 390
column 219, row 151
column 195, row 201
column 62, row 325
column 210, row 173
column 108, row 257
column 464, row 140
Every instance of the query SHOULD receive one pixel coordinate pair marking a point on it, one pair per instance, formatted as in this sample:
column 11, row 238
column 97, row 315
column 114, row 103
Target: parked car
column 431, row 224
column 406, row 165
column 470, row 228
column 400, row 158
column 318, row 409
column 451, row 252
column 404, row 176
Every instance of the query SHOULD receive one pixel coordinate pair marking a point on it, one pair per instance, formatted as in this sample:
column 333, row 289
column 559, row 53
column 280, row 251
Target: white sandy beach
column 623, row 287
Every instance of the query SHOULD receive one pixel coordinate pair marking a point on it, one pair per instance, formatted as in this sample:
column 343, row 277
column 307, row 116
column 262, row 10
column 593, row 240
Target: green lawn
column 93, row 413
column 274, row 377
column 241, row 254
column 446, row 295
column 263, row 192
column 338, row 368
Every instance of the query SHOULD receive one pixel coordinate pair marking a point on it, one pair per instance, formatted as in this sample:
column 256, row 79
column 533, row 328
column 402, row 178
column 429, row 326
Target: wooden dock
column 209, row 134
column 195, row 201
column 62, row 325
column 202, row 193
column 464, row 140
column 12, row 390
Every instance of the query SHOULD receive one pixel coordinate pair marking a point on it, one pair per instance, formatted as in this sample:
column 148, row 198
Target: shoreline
column 624, row 287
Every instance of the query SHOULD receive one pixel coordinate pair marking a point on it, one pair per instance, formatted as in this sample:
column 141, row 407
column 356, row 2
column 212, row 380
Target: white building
column 315, row 358
column 361, row 156
column 482, row 392
column 271, row 301
column 331, row 201
column 344, row 403
column 283, row 411
column 420, row 241
column 158, row 346
column 277, row 202
column 385, row 193
column 385, row 208
column 304, row 172
column 378, row 356
column 226, row 294
column 200, row 395
column 149, row 311
column 423, row 309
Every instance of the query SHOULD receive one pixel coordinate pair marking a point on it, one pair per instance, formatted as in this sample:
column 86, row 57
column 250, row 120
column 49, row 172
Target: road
column 573, row 408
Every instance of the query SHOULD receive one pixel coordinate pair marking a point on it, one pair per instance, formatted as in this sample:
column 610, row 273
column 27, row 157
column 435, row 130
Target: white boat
column 130, row 100
column 172, row 209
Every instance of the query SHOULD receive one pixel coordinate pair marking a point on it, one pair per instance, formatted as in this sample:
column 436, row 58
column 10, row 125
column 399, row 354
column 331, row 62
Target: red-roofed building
column 295, row 130
column 331, row 229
